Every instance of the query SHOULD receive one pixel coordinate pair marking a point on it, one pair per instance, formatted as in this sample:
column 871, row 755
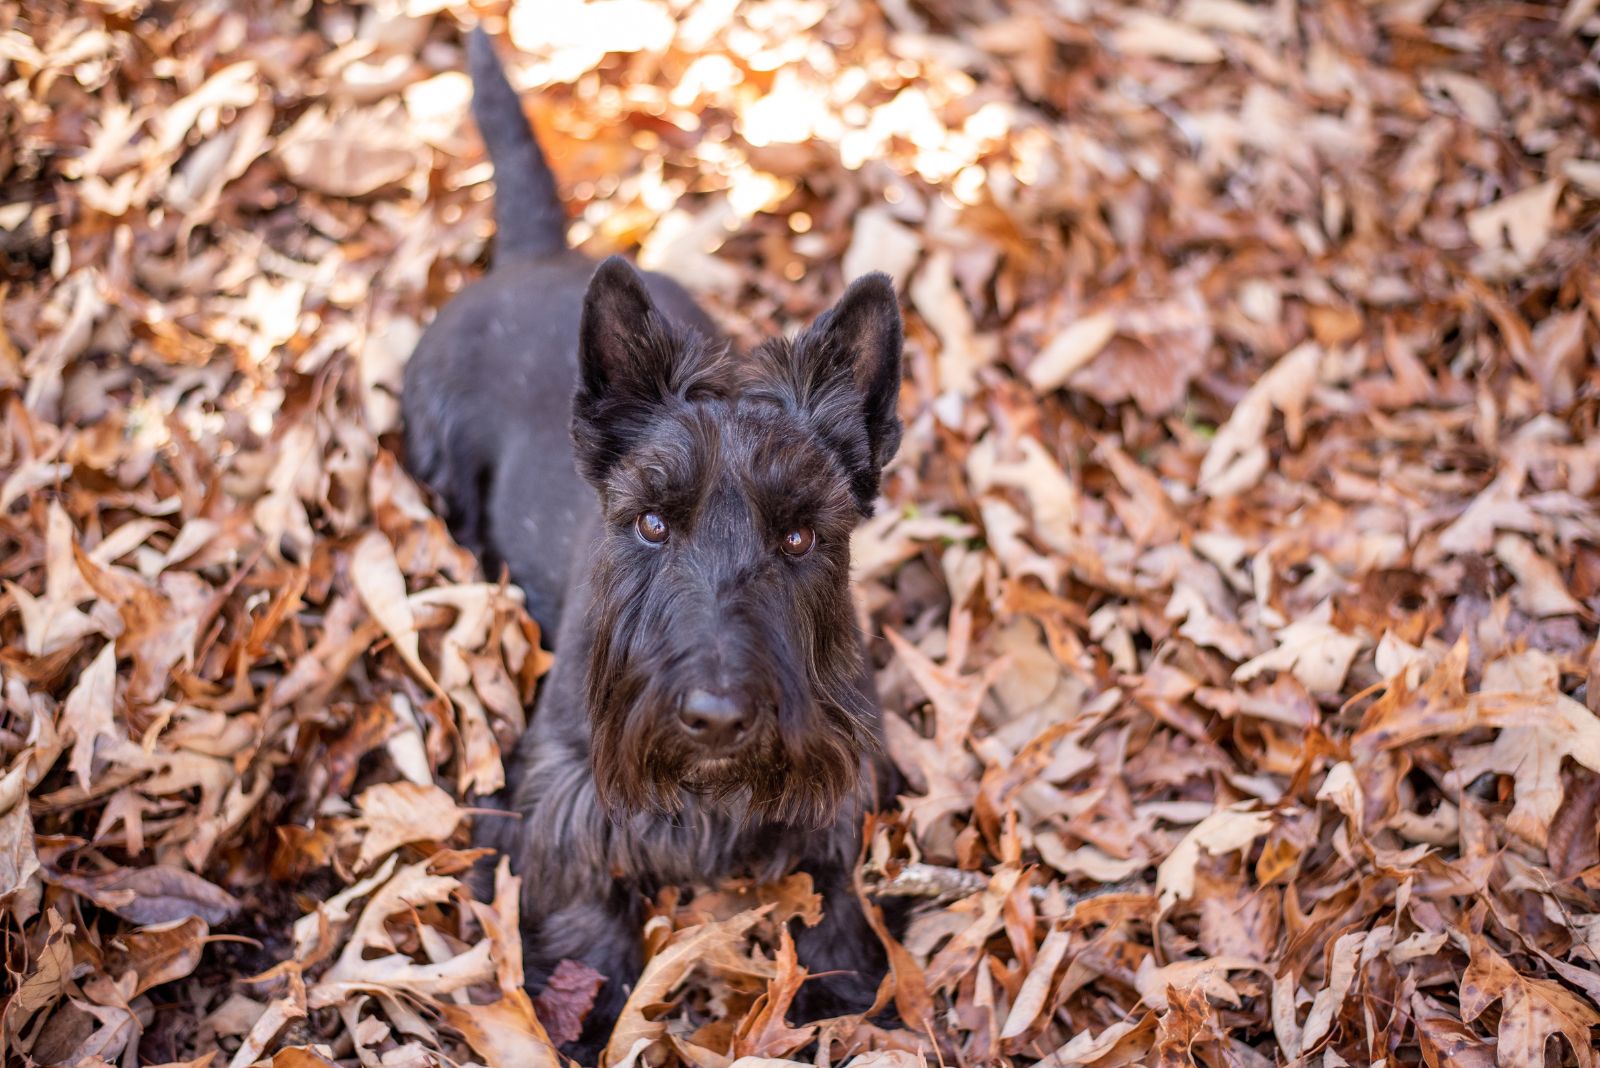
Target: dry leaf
column 393, row 814
column 1221, row 832
column 1331, row 676
column 1531, row 1010
column 1522, row 221
column 88, row 713
column 506, row 1032
column 1540, row 590
column 1071, row 349
column 1143, row 33
column 382, row 588
column 1238, row 456
column 712, row 944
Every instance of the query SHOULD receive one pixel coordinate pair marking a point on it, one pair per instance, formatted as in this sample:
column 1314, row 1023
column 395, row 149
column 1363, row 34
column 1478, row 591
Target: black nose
column 715, row 720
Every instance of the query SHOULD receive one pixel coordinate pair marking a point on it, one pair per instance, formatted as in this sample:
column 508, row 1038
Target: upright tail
column 528, row 217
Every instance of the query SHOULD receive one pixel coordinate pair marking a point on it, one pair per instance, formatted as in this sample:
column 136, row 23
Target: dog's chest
column 701, row 846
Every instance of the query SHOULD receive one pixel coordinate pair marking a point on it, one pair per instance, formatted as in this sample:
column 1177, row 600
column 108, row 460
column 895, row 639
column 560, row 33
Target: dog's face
column 726, row 657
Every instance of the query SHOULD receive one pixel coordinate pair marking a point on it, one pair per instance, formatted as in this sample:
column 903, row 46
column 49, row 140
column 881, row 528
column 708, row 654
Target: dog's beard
column 803, row 758
column 797, row 769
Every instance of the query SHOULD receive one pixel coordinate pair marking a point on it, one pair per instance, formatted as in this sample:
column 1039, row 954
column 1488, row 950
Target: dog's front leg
column 841, row 951
column 576, row 905
column 604, row 934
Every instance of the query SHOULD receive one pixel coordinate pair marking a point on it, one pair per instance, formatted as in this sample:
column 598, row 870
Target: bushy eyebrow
column 668, row 470
column 789, row 478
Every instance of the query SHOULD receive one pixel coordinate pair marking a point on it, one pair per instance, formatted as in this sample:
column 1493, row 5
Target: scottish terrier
column 679, row 517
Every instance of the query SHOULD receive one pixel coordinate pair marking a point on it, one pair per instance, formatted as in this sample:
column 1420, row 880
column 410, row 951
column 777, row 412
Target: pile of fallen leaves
column 1238, row 576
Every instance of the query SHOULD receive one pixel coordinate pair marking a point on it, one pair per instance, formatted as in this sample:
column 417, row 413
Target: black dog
column 711, row 711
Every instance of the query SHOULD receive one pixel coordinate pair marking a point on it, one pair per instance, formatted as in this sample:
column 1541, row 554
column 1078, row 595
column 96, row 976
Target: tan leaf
column 1340, row 976
column 345, row 161
column 88, row 712
column 881, row 243
column 1143, row 33
column 956, row 698
column 962, row 350
column 395, row 813
column 382, row 589
column 18, row 861
column 500, row 922
column 1087, row 1047
column 1523, row 221
column 1540, row 589
column 53, row 622
column 1539, row 728
column 715, row 944
column 505, row 1032
column 1556, row 355
column 1209, row 975
column 290, row 1006
column 1030, row 999
column 1532, row 1011
column 1071, row 349
column 1316, row 652
column 397, row 973
column 1221, row 832
column 964, row 951
column 1237, row 455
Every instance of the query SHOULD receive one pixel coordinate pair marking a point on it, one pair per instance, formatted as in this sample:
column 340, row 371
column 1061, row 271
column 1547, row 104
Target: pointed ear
column 628, row 356
column 854, row 348
column 617, row 312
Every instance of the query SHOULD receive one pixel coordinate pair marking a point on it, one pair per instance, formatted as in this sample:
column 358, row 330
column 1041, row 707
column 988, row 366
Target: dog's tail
column 528, row 218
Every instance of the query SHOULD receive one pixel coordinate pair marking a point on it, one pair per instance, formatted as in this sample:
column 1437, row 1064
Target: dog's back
column 488, row 392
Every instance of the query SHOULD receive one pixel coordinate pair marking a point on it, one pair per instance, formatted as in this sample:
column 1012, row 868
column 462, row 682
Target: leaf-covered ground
column 1237, row 580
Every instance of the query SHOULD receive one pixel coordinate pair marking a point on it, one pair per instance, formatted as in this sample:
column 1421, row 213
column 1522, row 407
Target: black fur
column 528, row 217
column 551, row 405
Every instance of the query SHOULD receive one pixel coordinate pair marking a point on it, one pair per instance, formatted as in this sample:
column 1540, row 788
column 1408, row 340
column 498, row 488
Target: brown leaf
column 1574, row 840
column 1071, row 349
column 506, row 1032
column 163, row 952
column 1531, row 1010
column 765, row 1031
column 566, row 999
column 158, row 894
column 382, row 588
column 1446, row 1042
column 19, row 863
column 300, row 1057
column 1030, row 999
column 714, row 944
column 394, row 813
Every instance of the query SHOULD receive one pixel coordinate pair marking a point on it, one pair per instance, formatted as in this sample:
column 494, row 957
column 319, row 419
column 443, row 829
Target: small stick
column 939, row 883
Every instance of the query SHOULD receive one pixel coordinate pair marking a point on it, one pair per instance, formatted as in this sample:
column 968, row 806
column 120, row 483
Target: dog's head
column 726, row 654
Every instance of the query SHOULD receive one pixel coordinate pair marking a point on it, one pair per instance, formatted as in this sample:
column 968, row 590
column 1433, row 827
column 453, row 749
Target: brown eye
column 652, row 528
column 799, row 541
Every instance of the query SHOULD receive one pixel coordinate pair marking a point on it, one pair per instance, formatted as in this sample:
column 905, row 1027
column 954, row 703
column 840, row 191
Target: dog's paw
column 834, row 994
